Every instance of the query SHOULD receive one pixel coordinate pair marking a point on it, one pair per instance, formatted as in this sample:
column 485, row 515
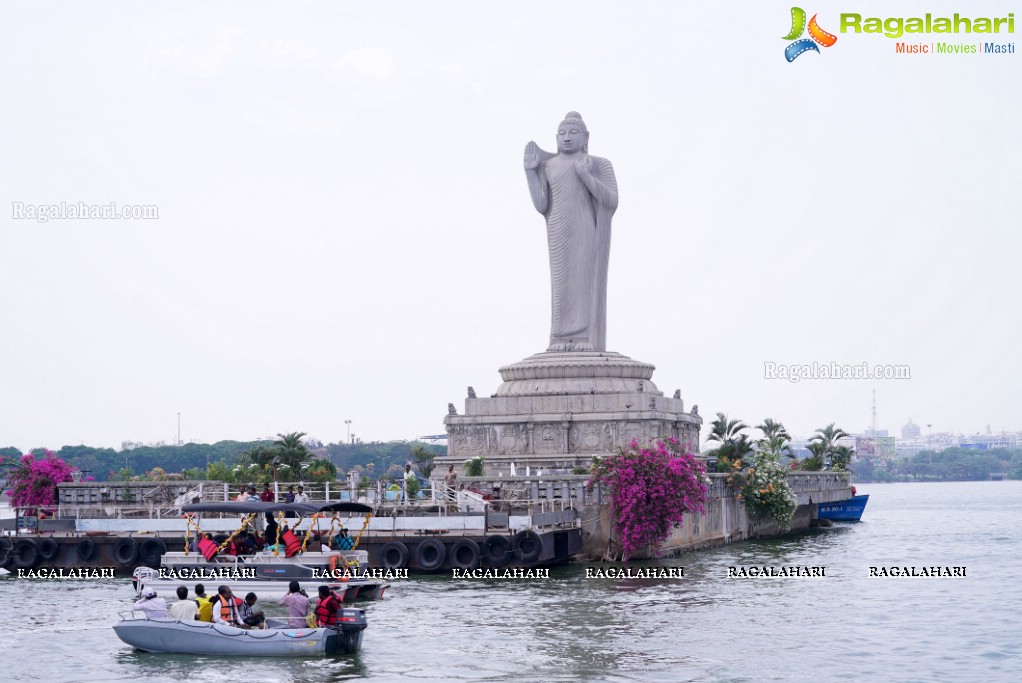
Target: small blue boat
column 843, row 511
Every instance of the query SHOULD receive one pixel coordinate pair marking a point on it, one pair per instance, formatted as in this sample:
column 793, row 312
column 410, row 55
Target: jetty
column 487, row 521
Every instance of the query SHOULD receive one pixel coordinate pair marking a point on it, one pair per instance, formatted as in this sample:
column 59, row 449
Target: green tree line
column 232, row 460
column 950, row 464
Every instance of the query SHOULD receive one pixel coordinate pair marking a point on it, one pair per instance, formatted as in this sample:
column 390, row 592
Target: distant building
column 910, row 430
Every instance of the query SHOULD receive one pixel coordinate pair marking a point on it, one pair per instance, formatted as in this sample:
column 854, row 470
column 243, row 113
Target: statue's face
column 571, row 138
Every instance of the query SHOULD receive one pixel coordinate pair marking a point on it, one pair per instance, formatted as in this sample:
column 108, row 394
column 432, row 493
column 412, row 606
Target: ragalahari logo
column 816, row 35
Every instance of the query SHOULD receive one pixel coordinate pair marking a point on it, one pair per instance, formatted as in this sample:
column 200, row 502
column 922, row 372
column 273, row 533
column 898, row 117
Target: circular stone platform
column 577, row 373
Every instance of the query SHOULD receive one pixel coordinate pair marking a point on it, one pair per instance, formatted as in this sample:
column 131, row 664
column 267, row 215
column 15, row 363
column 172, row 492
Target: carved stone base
column 556, row 410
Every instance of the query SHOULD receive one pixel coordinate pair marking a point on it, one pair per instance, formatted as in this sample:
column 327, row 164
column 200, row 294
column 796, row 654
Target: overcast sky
column 345, row 231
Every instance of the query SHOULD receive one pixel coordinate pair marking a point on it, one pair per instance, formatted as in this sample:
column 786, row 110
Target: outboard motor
column 140, row 576
column 346, row 635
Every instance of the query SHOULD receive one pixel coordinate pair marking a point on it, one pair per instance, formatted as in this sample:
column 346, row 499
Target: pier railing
column 542, row 493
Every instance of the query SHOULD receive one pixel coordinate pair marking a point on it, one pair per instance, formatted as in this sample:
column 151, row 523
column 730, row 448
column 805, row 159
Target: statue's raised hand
column 584, row 165
column 531, row 156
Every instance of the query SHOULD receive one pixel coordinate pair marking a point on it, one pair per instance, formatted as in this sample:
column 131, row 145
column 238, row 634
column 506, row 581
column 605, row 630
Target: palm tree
column 775, row 438
column 725, row 430
column 840, row 457
column 424, row 459
column 734, row 445
column 772, row 429
column 291, row 451
column 814, row 462
column 260, row 456
column 830, row 435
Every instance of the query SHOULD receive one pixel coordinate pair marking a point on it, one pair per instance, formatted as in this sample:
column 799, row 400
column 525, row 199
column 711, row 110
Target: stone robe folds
column 578, row 233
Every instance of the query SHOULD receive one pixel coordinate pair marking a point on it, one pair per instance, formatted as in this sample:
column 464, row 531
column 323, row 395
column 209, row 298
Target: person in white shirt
column 408, row 476
column 302, row 496
column 184, row 609
column 154, row 607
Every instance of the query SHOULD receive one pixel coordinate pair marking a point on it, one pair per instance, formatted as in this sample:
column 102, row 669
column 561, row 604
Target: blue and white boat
column 843, row 511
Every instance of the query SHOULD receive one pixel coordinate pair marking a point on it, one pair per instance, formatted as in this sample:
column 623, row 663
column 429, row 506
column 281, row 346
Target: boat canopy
column 248, row 507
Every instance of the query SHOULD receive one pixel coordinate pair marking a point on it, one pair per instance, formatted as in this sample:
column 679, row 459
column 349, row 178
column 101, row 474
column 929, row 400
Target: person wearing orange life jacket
column 329, row 604
column 227, row 611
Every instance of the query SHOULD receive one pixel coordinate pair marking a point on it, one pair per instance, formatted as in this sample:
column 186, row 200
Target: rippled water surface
column 704, row 627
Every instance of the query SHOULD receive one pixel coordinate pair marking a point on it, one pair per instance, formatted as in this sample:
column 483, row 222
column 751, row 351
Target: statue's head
column 572, row 134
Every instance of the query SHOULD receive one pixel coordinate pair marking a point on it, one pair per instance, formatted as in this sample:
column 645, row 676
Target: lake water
column 704, row 627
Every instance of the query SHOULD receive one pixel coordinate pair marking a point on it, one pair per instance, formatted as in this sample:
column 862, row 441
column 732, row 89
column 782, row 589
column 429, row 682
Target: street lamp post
column 347, row 424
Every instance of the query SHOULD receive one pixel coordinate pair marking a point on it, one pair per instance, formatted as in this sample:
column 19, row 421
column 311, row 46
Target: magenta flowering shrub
column 651, row 489
column 32, row 482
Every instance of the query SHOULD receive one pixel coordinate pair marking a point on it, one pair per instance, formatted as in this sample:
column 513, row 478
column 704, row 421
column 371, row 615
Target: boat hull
column 843, row 511
column 203, row 638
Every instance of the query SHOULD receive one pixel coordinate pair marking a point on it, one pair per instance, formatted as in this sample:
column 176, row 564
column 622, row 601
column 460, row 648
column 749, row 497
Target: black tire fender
column 151, row 552
column 86, row 549
column 529, row 544
column 26, row 553
column 430, row 554
column 126, row 551
column 465, row 554
column 497, row 550
column 394, row 555
column 49, row 549
column 6, row 553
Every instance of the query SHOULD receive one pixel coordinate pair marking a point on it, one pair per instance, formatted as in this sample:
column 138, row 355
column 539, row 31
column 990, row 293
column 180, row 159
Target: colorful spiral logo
column 817, row 36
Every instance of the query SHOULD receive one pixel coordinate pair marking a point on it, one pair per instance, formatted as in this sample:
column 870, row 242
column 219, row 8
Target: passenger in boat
column 301, row 496
column 290, row 497
column 184, row 609
column 297, row 602
column 267, row 495
column 204, row 603
column 153, row 606
column 226, row 610
column 252, row 618
column 326, row 610
column 208, row 547
column 343, row 540
column 253, row 497
column 272, row 529
column 317, row 541
column 246, row 544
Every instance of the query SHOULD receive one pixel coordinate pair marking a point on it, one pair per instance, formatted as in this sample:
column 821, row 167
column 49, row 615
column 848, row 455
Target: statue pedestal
column 555, row 411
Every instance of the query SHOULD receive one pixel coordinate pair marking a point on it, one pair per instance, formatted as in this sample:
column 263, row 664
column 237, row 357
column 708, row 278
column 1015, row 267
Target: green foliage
column 950, row 464
column 765, row 490
column 474, row 466
column 840, row 457
column 775, row 439
column 580, row 469
column 423, row 459
column 814, row 463
column 412, row 486
column 734, row 446
column 381, row 454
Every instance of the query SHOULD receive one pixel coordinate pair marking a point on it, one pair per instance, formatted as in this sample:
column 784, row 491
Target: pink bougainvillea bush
column 651, row 489
column 32, row 481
